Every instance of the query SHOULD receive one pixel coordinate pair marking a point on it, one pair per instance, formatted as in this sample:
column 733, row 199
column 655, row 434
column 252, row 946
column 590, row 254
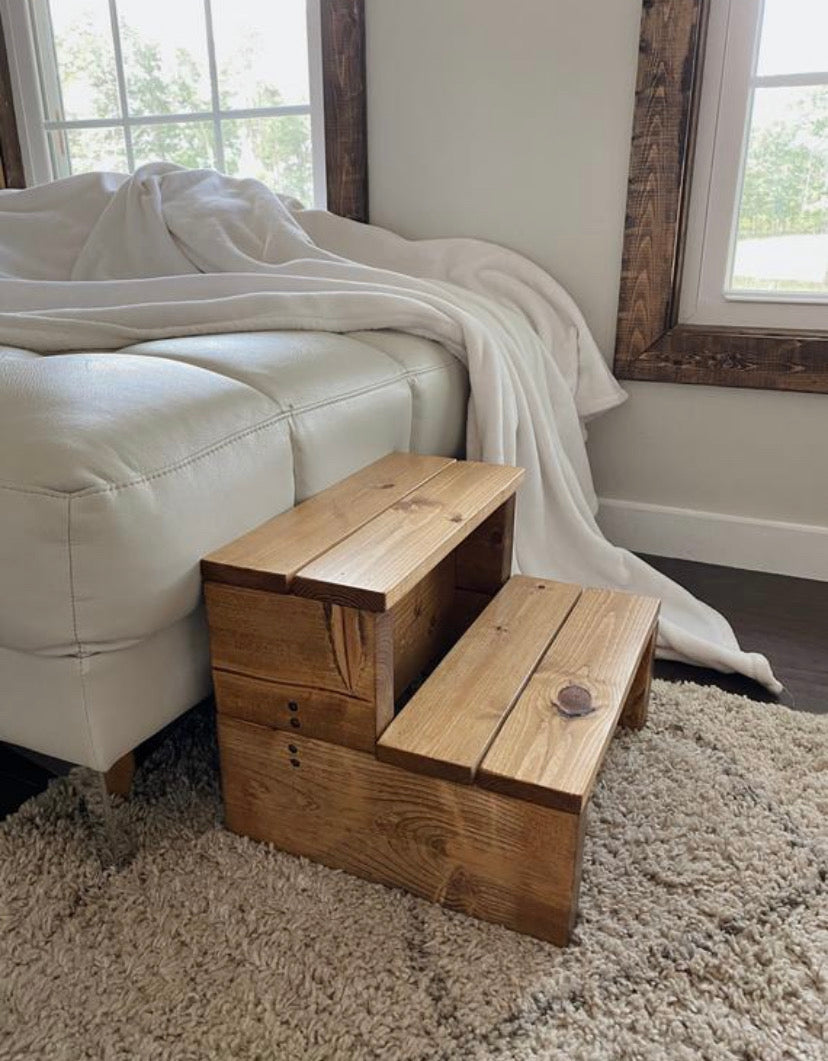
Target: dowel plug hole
column 295, row 723
column 292, row 705
column 292, row 749
column 294, row 762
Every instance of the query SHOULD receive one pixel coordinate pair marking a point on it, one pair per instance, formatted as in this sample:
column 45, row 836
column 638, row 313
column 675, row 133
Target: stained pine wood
column 766, row 359
column 424, row 624
column 484, row 559
column 344, row 91
column 315, row 713
column 11, row 157
column 468, row 606
column 449, row 724
column 786, row 618
column 376, row 566
column 270, row 555
column 659, row 170
column 290, row 640
column 502, row 860
column 118, row 778
column 541, row 755
column 637, row 703
column 650, row 344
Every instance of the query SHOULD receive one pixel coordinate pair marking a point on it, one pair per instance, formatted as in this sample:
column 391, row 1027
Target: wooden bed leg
column 118, row 778
column 634, row 712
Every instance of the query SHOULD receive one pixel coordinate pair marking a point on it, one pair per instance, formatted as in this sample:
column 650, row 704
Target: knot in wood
column 574, row 701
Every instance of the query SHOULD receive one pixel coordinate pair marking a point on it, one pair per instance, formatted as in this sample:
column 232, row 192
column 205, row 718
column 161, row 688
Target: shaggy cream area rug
column 702, row 931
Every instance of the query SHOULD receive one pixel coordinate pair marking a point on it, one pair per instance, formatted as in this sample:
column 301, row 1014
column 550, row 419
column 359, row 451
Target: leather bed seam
column 283, row 415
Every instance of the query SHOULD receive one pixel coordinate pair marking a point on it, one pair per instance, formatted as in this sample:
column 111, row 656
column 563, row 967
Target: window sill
column 768, row 359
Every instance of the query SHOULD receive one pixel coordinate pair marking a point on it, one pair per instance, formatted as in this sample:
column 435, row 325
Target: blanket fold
column 100, row 261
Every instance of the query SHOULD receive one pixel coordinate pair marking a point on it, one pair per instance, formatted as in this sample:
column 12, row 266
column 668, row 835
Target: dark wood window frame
column 343, row 77
column 650, row 343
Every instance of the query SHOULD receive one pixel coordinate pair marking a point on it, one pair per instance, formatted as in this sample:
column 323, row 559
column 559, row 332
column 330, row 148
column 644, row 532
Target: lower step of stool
column 489, row 855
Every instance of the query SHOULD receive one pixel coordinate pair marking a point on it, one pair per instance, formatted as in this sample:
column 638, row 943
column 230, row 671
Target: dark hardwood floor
column 784, row 618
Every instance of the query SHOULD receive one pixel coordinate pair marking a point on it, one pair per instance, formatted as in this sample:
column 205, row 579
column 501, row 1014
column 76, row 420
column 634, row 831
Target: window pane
column 189, row 144
column 82, row 150
column 83, row 57
column 261, row 52
column 782, row 242
column 164, row 43
column 794, row 37
column 276, row 151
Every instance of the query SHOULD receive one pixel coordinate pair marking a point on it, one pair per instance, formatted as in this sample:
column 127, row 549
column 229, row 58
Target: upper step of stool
column 366, row 541
column 488, row 713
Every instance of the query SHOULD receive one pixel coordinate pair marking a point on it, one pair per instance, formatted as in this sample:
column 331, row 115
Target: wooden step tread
column 489, row 715
column 446, row 728
column 375, row 566
column 545, row 757
column 269, row 556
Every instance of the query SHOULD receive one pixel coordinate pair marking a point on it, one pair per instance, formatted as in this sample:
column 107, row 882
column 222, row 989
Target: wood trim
column 650, row 343
column 346, row 138
column 735, row 357
column 11, row 158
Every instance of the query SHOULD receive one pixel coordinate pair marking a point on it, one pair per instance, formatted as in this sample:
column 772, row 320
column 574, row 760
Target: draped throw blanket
column 100, row 261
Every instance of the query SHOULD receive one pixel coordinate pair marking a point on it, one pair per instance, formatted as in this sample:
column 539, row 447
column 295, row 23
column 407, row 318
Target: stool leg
column 112, row 842
column 634, row 712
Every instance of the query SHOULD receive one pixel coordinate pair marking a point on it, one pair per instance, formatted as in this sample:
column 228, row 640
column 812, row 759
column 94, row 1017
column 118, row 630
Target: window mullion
column 214, row 89
column 121, row 76
column 165, row 119
column 816, row 77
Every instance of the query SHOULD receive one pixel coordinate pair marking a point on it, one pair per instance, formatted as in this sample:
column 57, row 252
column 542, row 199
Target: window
column 113, row 84
column 723, row 274
column 757, row 252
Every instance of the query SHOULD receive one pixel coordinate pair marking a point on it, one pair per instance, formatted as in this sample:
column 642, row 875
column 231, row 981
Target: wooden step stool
column 475, row 795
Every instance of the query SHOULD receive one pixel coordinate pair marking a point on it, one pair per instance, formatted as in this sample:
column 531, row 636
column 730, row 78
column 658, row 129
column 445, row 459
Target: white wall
column 510, row 120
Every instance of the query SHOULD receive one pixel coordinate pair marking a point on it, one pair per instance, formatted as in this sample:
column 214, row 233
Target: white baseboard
column 796, row 549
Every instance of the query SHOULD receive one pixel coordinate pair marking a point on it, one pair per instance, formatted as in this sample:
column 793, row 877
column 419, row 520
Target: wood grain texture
column 637, row 704
column 650, row 344
column 468, row 606
column 289, row 640
column 378, row 564
column 484, row 559
column 448, row 725
column 735, row 357
column 11, row 158
column 541, row 755
column 270, row 555
column 424, row 624
column 344, row 92
column 668, row 68
column 499, row 859
column 296, row 709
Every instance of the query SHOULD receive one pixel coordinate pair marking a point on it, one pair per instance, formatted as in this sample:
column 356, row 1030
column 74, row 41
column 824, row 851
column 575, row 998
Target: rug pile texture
column 703, row 930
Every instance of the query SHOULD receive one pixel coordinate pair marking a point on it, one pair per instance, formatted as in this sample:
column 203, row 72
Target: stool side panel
column 295, row 709
column 502, row 860
column 291, row 640
column 636, row 706
column 484, row 559
column 424, row 623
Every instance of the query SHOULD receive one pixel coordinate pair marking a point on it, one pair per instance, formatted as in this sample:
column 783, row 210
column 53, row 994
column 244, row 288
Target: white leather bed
column 118, row 471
